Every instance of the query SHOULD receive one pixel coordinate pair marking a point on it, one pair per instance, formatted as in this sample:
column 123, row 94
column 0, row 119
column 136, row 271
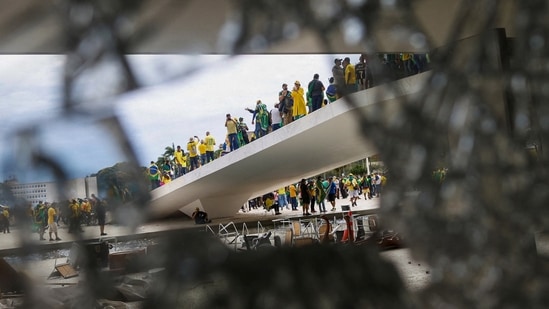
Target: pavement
column 415, row 275
column 16, row 242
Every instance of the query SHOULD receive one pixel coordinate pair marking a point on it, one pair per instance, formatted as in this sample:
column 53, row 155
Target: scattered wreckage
column 348, row 229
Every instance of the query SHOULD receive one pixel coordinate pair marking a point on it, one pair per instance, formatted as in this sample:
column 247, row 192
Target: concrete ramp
column 323, row 140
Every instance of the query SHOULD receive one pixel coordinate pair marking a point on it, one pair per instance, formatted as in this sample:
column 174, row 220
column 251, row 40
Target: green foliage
column 358, row 169
column 119, row 180
column 169, row 152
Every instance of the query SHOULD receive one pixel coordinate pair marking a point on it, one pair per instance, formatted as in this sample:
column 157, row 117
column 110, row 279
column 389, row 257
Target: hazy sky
column 172, row 105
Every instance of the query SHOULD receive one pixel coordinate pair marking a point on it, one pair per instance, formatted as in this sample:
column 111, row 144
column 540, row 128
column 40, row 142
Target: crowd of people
column 292, row 104
column 47, row 217
column 316, row 193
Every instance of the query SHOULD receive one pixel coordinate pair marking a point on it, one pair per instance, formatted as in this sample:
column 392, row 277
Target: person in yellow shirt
column 210, row 147
column 202, row 152
column 51, row 223
column 352, row 188
column 5, row 219
column 74, row 220
column 270, row 202
column 180, row 162
column 85, row 211
column 192, row 148
column 165, row 179
column 293, row 196
column 282, row 200
column 407, row 62
column 232, row 132
column 350, row 75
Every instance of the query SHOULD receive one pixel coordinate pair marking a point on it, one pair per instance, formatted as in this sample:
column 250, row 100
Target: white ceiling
column 193, row 26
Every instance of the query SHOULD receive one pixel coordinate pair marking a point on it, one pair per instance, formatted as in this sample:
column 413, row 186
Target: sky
column 179, row 97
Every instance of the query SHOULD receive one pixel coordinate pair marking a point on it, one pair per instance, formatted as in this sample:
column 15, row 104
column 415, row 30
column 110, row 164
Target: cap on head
column 297, row 83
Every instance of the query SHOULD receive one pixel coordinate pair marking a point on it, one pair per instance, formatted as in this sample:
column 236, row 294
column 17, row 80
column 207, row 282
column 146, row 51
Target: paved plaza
column 414, row 275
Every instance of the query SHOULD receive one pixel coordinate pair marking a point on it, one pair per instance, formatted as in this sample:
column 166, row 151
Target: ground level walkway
column 39, row 260
column 11, row 244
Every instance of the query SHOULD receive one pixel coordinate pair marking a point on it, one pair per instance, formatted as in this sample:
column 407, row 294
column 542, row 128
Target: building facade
column 50, row 191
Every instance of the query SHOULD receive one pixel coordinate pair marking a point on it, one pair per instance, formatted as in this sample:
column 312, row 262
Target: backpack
column 288, row 104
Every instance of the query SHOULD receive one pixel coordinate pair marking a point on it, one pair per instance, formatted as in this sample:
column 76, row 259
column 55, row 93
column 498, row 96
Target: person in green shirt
column 320, row 194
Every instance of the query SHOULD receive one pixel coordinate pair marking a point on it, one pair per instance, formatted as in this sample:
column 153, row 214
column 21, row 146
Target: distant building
column 49, row 192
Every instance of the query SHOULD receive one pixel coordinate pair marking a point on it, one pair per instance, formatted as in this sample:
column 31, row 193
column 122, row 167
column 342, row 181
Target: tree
column 358, row 169
column 169, row 151
column 118, row 181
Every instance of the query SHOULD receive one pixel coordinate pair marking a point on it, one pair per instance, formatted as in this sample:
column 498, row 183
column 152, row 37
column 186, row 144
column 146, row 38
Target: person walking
column 320, row 194
column 52, row 225
column 332, row 189
column 101, row 213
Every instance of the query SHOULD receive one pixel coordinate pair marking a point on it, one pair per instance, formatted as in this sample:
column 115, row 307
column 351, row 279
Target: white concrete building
column 49, row 191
